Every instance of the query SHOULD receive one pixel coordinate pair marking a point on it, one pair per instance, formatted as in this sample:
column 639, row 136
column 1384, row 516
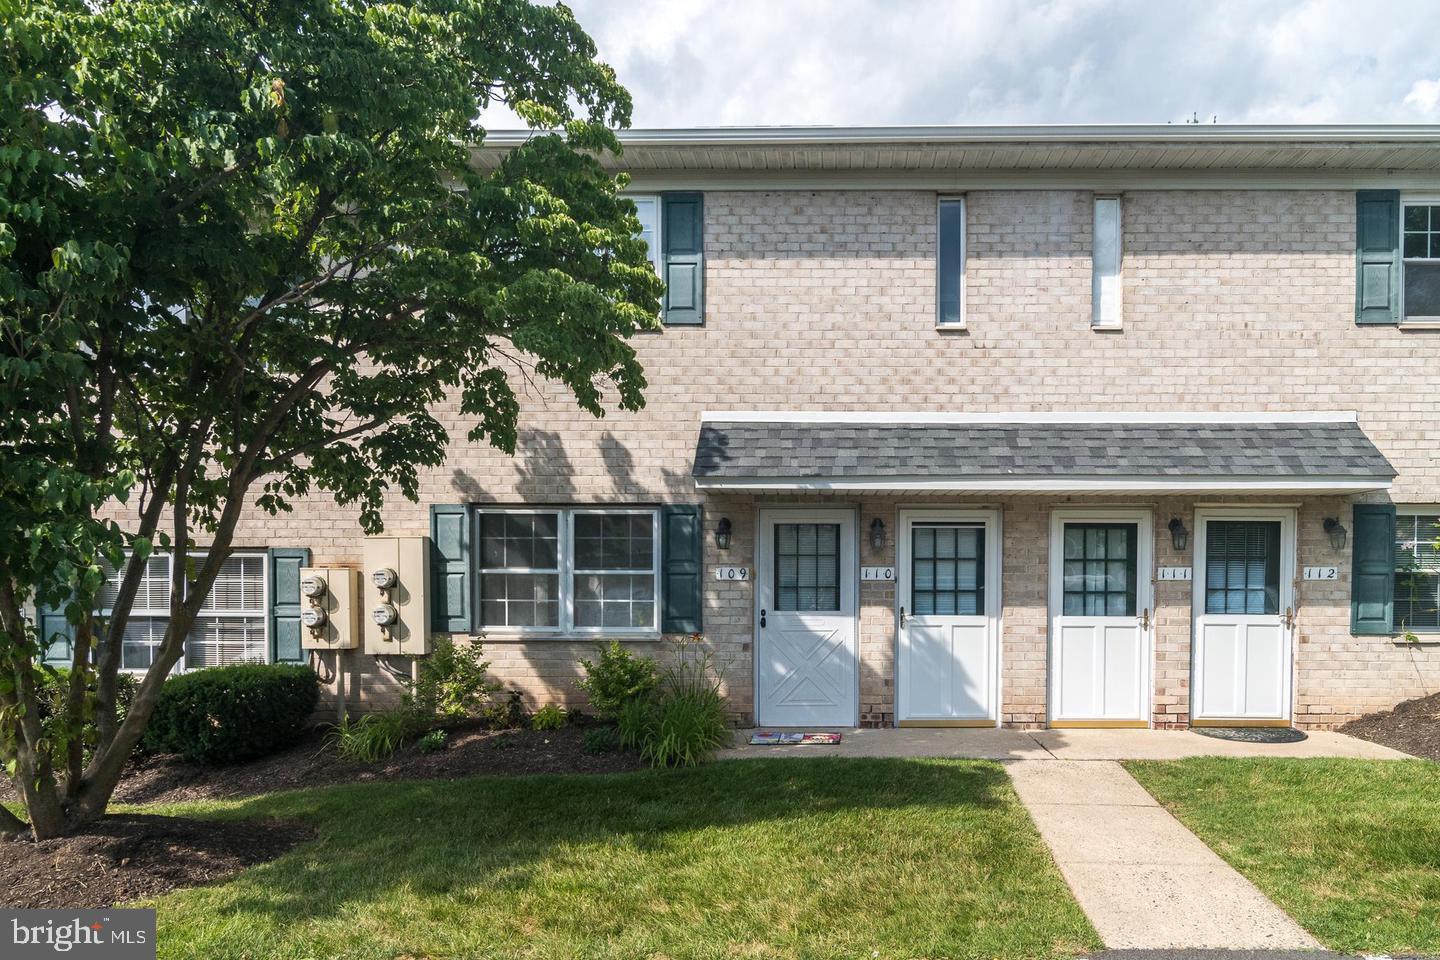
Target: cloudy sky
column 728, row 62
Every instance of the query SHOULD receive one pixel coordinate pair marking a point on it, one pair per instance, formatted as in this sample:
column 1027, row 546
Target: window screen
column 1420, row 246
column 520, row 569
column 1100, row 570
column 1417, row 572
column 807, row 566
column 615, row 570
column 947, row 570
column 1242, row 566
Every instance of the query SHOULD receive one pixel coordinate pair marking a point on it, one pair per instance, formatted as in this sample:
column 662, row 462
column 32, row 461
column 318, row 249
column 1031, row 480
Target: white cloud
column 711, row 62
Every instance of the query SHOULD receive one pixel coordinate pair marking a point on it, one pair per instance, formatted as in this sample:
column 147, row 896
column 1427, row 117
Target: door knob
column 762, row 618
column 1145, row 619
column 1289, row 618
column 902, row 618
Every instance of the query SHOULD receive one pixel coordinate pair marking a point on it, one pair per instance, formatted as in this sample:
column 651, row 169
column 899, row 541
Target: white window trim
column 163, row 613
column 656, row 255
column 566, row 572
column 1102, row 318
column 1418, row 510
column 964, row 258
column 1414, row 200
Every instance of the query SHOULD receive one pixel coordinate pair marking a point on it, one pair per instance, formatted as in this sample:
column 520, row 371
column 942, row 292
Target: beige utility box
column 330, row 601
column 397, row 596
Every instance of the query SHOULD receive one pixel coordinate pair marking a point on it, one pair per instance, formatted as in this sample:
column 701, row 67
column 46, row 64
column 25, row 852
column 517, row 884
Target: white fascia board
column 1316, row 485
column 922, row 417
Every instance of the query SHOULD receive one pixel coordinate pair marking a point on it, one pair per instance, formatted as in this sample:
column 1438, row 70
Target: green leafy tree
column 244, row 251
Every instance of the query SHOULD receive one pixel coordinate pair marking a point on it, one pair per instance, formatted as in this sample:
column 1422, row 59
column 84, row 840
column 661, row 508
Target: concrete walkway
column 991, row 744
column 1144, row 880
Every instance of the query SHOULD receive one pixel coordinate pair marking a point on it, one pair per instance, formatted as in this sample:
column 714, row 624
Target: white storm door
column 947, row 595
column 1100, row 622
column 805, row 646
column 1244, row 617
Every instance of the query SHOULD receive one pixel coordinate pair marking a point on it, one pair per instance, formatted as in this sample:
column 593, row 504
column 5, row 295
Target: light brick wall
column 1233, row 301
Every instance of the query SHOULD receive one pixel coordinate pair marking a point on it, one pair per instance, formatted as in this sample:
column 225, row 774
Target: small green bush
column 548, row 717
column 602, row 740
column 505, row 714
column 687, row 719
column 434, row 741
column 228, row 714
column 617, row 678
column 374, row 736
column 52, row 688
column 453, row 683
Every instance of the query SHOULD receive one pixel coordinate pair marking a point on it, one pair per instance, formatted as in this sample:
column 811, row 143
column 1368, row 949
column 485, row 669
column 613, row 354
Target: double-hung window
column 1420, row 260
column 1417, row 570
column 229, row 628
column 569, row 570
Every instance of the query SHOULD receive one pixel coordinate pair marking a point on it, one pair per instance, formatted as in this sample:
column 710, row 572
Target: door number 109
column 737, row 574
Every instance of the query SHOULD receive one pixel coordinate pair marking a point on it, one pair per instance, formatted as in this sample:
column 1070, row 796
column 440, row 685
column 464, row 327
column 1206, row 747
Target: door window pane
column 1099, row 572
column 947, row 570
column 807, row 567
column 1242, row 567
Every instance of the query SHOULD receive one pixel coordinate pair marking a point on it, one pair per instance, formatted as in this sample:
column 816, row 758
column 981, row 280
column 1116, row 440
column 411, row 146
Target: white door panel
column 1099, row 617
column 805, row 650
column 947, row 661
column 1243, row 601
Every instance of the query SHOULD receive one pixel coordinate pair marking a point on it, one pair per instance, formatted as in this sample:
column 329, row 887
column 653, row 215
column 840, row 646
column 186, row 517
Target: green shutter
column 683, row 236
column 1377, row 256
column 1372, row 596
column 285, row 564
column 57, row 637
column 682, row 545
column 450, row 571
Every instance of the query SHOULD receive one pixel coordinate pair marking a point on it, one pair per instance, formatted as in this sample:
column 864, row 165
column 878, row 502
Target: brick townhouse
column 961, row 426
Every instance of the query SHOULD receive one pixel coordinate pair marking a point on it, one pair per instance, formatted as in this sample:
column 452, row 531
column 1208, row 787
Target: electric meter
column 385, row 578
column 313, row 617
column 313, row 586
column 385, row 614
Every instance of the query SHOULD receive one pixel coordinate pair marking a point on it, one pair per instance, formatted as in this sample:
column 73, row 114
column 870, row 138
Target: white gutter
column 1180, row 133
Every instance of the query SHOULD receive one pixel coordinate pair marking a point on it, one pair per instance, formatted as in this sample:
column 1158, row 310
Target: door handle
column 1289, row 618
column 902, row 618
column 1145, row 619
column 762, row 618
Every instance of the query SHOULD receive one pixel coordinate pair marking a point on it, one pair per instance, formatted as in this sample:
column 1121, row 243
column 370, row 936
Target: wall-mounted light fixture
column 1336, row 531
column 877, row 534
column 722, row 533
column 1179, row 536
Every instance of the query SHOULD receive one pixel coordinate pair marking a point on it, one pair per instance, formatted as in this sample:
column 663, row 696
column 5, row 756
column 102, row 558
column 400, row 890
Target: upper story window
column 1417, row 571
column 576, row 570
column 1106, row 254
column 1420, row 253
column 950, row 262
column 648, row 210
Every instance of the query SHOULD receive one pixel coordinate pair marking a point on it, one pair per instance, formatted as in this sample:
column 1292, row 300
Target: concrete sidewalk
column 997, row 744
column 1144, row 880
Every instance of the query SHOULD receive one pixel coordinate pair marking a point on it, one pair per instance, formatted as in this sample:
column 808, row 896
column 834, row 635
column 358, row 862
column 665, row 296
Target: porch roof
column 1039, row 452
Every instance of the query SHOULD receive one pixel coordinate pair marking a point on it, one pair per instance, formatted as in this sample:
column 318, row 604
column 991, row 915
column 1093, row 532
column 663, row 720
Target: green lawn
column 755, row 858
column 1350, row 848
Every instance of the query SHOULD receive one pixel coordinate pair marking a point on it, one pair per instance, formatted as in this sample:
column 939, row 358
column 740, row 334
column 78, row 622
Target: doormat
column 1252, row 734
column 775, row 738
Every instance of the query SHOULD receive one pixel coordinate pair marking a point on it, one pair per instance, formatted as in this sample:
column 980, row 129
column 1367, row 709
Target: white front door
column 948, row 609
column 1244, row 616
column 805, row 646
column 1100, row 618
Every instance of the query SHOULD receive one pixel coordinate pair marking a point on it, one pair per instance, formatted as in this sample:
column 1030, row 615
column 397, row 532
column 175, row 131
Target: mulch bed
column 128, row 857
column 1412, row 727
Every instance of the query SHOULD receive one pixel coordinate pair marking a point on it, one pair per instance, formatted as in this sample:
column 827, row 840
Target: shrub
column 227, row 714
column 617, row 678
column 686, row 720
column 374, row 736
column 52, row 686
column 602, row 740
column 434, row 741
column 506, row 714
column 453, row 682
column 548, row 717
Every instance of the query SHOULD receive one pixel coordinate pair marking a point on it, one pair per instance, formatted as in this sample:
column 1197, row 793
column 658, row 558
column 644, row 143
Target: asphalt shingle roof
column 933, row 451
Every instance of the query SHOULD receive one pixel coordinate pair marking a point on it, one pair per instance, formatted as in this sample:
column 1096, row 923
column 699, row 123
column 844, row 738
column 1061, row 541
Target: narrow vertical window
column 1105, row 269
column 950, row 263
column 648, row 210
